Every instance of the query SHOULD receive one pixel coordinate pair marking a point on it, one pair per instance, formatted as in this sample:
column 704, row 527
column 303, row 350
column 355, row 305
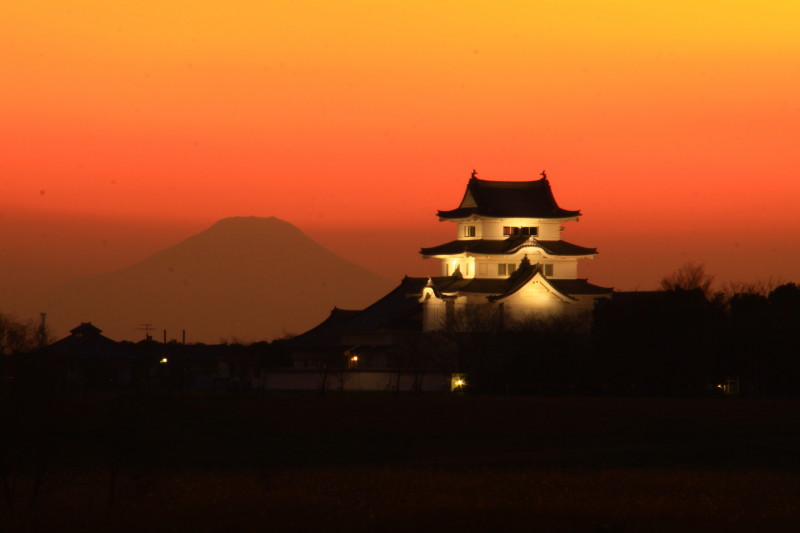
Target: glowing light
column 354, row 359
column 163, row 361
column 457, row 383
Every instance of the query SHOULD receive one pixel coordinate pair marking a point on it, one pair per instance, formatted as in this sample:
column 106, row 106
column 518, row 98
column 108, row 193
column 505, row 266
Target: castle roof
column 510, row 245
column 396, row 311
column 496, row 289
column 401, row 309
column 520, row 199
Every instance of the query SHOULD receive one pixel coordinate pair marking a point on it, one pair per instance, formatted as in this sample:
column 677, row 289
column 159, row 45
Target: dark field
column 375, row 462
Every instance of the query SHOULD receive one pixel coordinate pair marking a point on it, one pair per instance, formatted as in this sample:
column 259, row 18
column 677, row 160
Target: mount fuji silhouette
column 243, row 279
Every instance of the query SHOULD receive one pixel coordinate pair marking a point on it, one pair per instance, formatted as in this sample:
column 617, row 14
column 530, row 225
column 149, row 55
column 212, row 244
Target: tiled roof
column 522, row 199
column 576, row 287
column 400, row 310
column 499, row 288
column 510, row 245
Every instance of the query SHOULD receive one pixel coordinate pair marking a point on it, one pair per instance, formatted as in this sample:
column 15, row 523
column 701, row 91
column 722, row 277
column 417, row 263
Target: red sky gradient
column 127, row 126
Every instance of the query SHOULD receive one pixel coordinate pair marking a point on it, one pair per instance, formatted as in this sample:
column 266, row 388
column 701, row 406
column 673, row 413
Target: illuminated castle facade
column 507, row 252
column 507, row 263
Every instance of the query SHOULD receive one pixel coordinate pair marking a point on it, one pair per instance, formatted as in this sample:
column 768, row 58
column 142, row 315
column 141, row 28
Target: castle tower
column 508, row 250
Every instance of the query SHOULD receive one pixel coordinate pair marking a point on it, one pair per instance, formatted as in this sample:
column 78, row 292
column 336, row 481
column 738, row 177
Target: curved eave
column 457, row 255
column 510, row 246
column 465, row 213
column 590, row 253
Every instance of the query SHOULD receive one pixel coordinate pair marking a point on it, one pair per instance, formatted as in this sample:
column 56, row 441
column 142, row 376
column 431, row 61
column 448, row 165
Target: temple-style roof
column 521, row 199
column 396, row 311
column 500, row 287
column 401, row 309
column 448, row 285
column 510, row 245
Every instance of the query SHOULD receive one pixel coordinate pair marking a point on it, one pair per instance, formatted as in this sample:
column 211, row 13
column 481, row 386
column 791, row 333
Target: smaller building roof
column 86, row 342
column 508, row 199
column 86, row 329
column 507, row 246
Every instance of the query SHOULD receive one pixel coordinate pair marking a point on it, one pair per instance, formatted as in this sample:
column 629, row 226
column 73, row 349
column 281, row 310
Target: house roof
column 86, row 328
column 86, row 342
column 521, row 199
column 507, row 246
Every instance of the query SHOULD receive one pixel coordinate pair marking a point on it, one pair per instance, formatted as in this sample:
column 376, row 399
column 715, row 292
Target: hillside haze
column 244, row 278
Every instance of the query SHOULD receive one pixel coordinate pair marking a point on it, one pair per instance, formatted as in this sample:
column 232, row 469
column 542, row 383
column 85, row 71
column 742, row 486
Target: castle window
column 469, row 231
column 528, row 230
column 548, row 270
column 506, row 269
column 483, row 269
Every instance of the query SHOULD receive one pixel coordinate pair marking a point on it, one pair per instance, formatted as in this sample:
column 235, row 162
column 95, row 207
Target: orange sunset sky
column 128, row 126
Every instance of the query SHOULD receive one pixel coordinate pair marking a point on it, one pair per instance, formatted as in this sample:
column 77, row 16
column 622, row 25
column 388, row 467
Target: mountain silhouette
column 244, row 278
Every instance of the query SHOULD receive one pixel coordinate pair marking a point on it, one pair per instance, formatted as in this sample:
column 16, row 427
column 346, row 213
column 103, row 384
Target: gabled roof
column 521, row 199
column 510, row 245
column 498, row 288
column 567, row 288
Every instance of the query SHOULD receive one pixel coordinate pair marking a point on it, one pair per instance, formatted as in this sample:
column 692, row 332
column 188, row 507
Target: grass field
column 374, row 462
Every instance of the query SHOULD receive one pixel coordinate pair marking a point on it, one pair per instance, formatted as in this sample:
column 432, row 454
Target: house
column 89, row 359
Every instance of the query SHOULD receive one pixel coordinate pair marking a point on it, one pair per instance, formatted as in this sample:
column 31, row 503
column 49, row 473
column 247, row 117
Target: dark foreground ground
column 299, row 462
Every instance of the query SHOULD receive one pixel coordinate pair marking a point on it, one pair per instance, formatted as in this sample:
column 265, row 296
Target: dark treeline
column 675, row 342
column 684, row 340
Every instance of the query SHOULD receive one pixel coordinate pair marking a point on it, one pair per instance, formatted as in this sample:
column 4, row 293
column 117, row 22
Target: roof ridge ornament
column 474, row 174
column 543, row 174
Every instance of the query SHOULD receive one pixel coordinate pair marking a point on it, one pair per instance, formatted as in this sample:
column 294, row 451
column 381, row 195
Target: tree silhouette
column 689, row 276
column 17, row 336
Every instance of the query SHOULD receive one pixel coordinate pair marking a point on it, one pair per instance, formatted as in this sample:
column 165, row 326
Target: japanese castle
column 508, row 251
column 508, row 258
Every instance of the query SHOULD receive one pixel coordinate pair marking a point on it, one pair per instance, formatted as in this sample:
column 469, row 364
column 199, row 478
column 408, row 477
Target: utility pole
column 146, row 328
